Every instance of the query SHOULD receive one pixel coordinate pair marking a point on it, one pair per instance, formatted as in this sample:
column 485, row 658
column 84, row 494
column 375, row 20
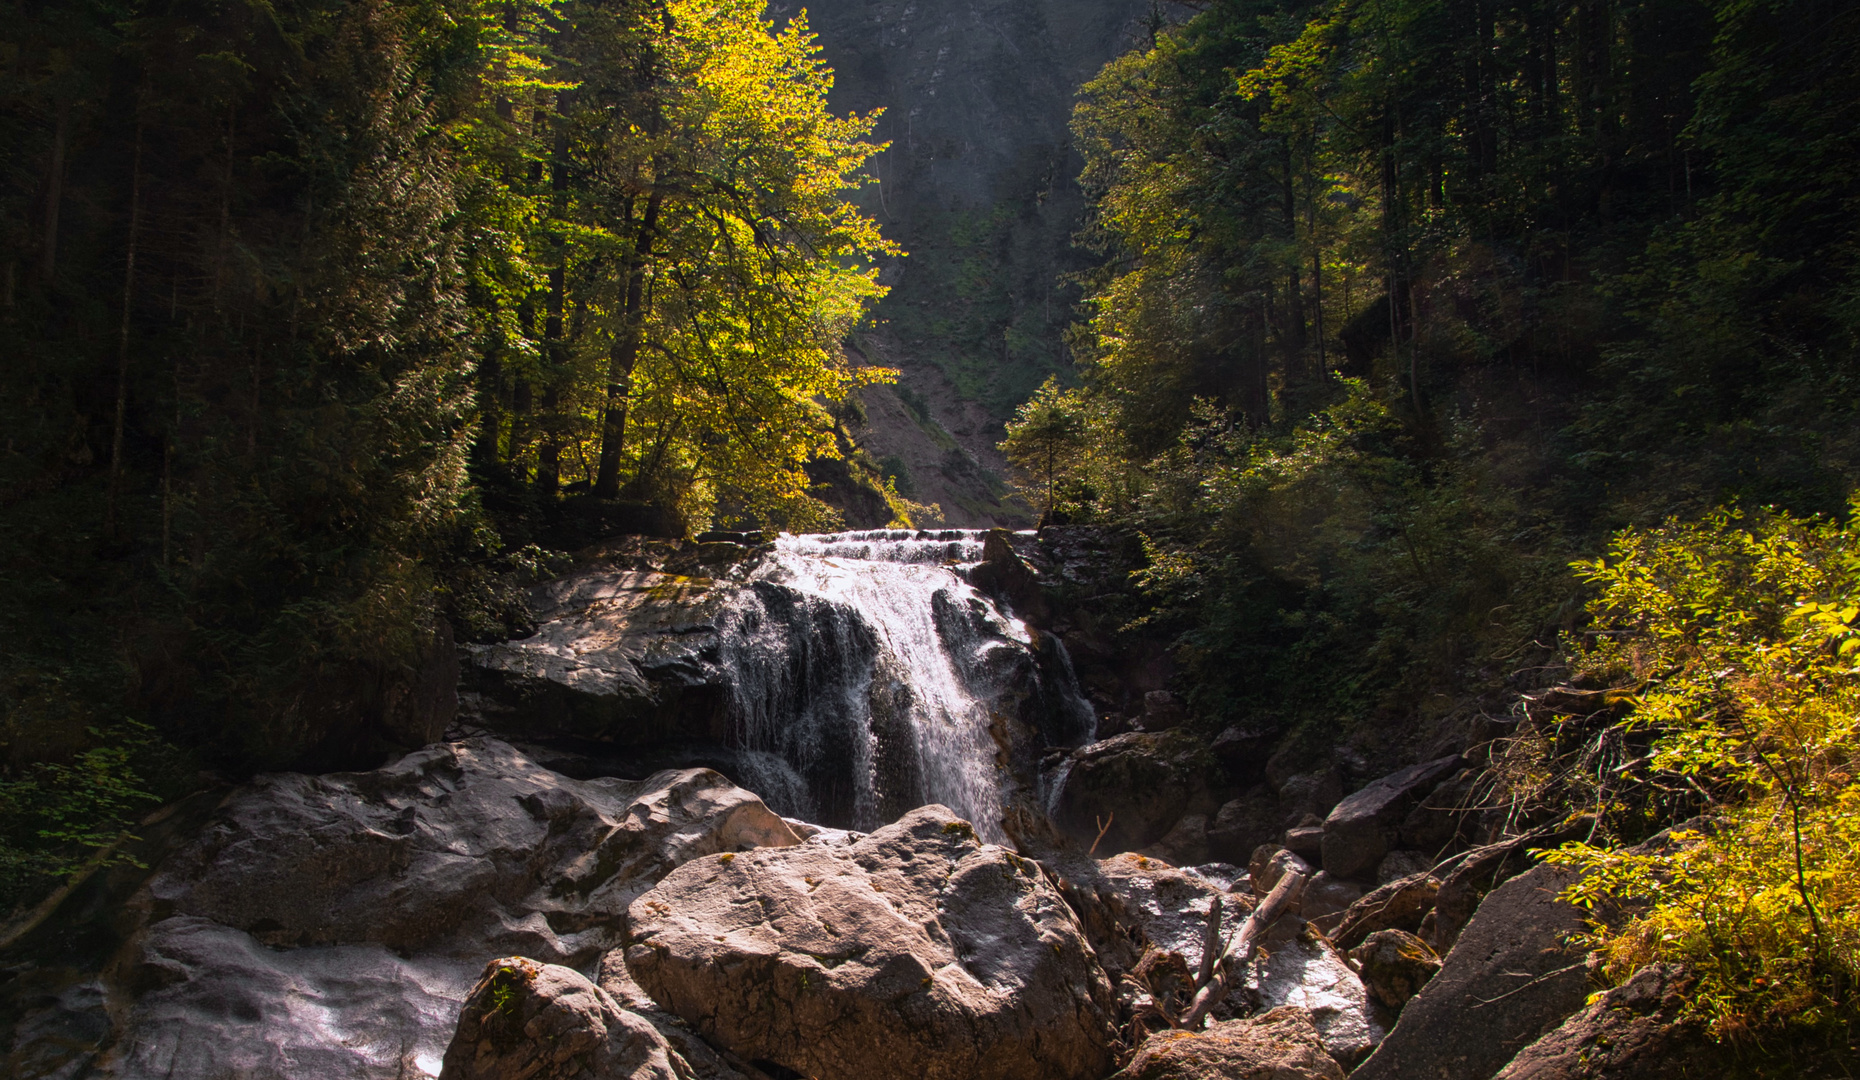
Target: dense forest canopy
column 313, row 313
column 1406, row 305
column 1485, row 364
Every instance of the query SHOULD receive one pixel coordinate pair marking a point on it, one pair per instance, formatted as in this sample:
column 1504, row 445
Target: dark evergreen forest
column 1469, row 361
column 1435, row 354
column 322, row 321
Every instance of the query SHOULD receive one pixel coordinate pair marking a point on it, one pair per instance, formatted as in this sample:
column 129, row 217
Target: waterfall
column 868, row 677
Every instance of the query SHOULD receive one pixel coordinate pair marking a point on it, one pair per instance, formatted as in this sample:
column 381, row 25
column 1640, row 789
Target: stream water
column 868, row 677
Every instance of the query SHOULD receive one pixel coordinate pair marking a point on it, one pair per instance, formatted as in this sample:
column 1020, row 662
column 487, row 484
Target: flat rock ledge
column 912, row 953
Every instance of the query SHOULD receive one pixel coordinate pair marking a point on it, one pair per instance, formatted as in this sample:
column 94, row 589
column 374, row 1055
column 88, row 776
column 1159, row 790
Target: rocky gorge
column 863, row 805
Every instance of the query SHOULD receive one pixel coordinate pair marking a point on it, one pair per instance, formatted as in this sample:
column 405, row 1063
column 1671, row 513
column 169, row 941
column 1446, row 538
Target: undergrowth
column 1730, row 646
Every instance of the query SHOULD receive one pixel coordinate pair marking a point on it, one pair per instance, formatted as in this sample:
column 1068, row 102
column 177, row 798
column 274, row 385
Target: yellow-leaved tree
column 695, row 263
column 760, row 267
column 1735, row 641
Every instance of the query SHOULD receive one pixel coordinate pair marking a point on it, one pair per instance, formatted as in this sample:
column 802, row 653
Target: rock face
column 1244, row 823
column 326, row 928
column 1629, row 1033
column 1510, row 978
column 625, row 651
column 1358, row 831
column 1395, row 965
column 1137, row 780
column 530, row 1021
column 1326, row 896
column 1279, row 1045
column 1135, row 903
column 1444, row 818
column 1398, row 905
column 849, row 677
column 463, row 843
column 912, row 952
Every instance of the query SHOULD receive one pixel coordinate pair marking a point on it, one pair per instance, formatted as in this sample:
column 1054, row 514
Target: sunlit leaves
column 1734, row 633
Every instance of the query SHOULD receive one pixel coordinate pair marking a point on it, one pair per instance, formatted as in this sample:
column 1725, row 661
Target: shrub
column 1735, row 638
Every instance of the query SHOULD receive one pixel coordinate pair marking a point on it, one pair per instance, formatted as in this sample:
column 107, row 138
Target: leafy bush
column 1736, row 639
column 56, row 817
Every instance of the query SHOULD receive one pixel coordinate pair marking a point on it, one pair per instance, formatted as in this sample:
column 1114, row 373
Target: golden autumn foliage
column 1736, row 641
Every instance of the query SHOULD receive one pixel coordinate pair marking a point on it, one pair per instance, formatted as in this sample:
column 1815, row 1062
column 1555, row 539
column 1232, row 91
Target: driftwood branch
column 1104, row 826
column 1244, row 944
column 1210, row 945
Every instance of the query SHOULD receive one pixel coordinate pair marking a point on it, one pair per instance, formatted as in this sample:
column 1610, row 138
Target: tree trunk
column 626, row 354
column 122, row 341
column 1241, row 949
column 549, row 453
column 226, row 183
column 555, row 348
column 55, row 190
column 1294, row 286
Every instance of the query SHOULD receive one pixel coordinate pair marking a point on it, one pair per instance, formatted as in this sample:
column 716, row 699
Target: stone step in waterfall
column 847, row 678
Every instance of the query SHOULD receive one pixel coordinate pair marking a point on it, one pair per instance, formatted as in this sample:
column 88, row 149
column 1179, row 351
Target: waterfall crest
column 868, row 677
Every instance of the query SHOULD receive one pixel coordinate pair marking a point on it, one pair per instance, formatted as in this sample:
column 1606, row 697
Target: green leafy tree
column 1046, row 438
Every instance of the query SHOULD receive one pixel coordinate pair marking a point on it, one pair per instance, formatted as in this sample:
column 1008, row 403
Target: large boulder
column 912, row 952
column 1185, row 844
column 1298, row 968
column 1632, row 1032
column 1359, row 830
column 531, row 1021
column 622, row 653
column 1013, row 571
column 1151, row 905
column 327, row 928
column 466, row 847
column 1279, row 1045
column 1312, row 794
column 1325, row 896
column 1448, row 817
column 1242, row 824
column 1398, row 905
column 1511, row 977
column 199, row 999
column 1395, row 965
column 1140, row 783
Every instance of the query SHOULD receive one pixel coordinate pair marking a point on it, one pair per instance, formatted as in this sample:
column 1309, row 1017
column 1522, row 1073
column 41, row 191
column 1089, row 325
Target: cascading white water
column 866, row 672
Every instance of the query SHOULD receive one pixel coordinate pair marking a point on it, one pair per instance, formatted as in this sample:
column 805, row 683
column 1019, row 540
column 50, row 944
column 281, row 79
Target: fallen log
column 1244, row 944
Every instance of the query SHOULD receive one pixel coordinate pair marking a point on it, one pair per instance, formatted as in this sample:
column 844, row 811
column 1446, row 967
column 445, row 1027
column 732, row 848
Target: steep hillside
column 980, row 187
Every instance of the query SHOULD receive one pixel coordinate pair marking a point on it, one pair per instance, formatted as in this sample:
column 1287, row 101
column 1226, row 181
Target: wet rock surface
column 1279, row 1045
column 1139, row 782
column 1162, row 906
column 1302, row 970
column 328, row 927
column 463, row 847
column 848, row 677
column 331, row 927
column 915, row 951
column 625, row 651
